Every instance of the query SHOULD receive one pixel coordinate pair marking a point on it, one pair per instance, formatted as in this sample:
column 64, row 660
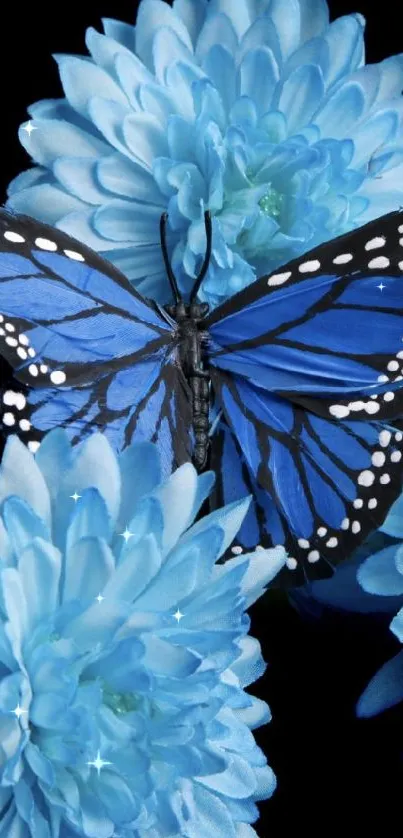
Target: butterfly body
column 301, row 373
column 192, row 340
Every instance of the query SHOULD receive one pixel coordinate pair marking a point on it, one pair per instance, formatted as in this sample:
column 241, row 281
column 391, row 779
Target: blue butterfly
column 302, row 372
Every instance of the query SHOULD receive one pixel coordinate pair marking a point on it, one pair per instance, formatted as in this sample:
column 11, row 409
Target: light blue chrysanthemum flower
column 124, row 650
column 382, row 575
column 259, row 110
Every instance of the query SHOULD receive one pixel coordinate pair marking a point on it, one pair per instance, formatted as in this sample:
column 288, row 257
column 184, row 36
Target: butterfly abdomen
column 191, row 344
column 199, row 383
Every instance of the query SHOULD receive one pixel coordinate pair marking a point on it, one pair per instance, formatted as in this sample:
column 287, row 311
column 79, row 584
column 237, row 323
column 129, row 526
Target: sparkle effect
column 29, row 128
column 99, row 763
column 19, row 711
column 381, row 286
column 178, row 615
column 126, row 535
column 75, row 497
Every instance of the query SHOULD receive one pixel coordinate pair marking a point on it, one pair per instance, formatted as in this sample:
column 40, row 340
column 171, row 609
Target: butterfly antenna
column 204, row 268
column 170, row 274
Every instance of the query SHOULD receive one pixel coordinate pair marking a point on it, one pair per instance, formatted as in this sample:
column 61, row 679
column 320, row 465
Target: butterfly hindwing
column 319, row 486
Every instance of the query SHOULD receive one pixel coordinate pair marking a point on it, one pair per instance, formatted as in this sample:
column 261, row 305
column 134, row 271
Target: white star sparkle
column 99, row 763
column 126, row 535
column 381, row 286
column 100, row 598
column 178, row 615
column 29, row 128
column 75, row 497
column 18, row 711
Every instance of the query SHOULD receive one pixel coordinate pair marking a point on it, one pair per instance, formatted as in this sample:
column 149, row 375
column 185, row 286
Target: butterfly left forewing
column 83, row 350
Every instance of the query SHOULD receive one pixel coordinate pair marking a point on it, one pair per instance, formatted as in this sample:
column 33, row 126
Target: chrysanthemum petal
column 384, row 690
column 51, row 198
column 81, row 87
column 379, row 575
column 151, row 16
column 88, row 568
column 121, row 32
column 259, row 75
column 20, row 475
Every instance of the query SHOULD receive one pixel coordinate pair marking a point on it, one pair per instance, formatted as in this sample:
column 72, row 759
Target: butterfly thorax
column 192, row 339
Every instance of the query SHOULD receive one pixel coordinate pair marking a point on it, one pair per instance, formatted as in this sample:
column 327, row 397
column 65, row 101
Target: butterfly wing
column 307, row 366
column 86, row 350
column 319, row 486
column 326, row 331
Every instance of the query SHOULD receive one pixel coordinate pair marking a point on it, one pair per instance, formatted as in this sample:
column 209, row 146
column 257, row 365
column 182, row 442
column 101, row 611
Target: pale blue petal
column 95, row 465
column 104, row 50
column 135, row 479
column 229, row 519
column 339, row 114
column 54, row 458
column 217, row 29
column 384, row 690
column 47, row 202
column 138, row 564
column 314, row 18
column 258, row 77
column 132, row 73
column 89, row 518
column 31, row 177
column 288, row 25
column 300, row 95
column 108, row 117
column 40, row 567
column 22, row 524
column 129, row 221
column 119, row 31
column 345, row 39
column 393, row 523
column 82, row 80
column 78, row 175
column 379, row 575
column 169, row 49
column 238, row 13
column 151, row 16
column 167, row 659
column 179, row 493
column 219, row 65
column 145, row 138
column 88, row 567
column 262, row 33
column 79, row 225
column 58, row 136
column 397, row 625
column 192, row 14
column 20, row 475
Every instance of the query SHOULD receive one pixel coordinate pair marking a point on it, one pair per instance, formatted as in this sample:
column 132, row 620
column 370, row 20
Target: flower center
column 120, row 702
column 272, row 203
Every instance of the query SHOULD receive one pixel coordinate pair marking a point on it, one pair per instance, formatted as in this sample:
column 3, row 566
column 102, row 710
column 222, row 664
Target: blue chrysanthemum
column 381, row 575
column 124, row 650
column 262, row 112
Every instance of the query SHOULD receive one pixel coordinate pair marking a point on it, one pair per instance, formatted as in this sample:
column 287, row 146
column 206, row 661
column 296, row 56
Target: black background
column 334, row 771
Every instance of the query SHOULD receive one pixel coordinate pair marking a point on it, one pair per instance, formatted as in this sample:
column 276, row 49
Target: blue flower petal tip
column 124, row 650
column 259, row 117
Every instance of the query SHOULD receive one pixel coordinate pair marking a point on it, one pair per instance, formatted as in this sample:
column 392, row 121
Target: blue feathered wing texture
column 307, row 368
column 88, row 353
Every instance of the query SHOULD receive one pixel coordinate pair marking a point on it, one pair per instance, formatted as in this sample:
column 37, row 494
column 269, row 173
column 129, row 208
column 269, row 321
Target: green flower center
column 272, row 203
column 120, row 703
